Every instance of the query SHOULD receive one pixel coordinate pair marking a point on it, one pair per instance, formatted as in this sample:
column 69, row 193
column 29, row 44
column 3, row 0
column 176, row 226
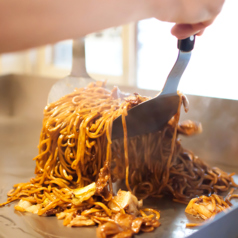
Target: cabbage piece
column 83, row 194
column 34, row 208
column 22, row 205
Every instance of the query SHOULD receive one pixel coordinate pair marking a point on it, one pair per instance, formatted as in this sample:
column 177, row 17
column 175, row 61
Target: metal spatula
column 152, row 115
column 78, row 77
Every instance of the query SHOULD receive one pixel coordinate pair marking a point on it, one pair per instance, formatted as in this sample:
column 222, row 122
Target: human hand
column 190, row 17
column 182, row 31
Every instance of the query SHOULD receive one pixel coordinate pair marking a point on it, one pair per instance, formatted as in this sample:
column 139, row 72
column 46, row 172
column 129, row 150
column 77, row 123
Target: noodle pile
column 206, row 207
column 77, row 164
column 161, row 166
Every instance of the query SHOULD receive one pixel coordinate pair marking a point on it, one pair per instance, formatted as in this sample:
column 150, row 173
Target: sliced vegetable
column 83, row 194
column 22, row 205
column 34, row 208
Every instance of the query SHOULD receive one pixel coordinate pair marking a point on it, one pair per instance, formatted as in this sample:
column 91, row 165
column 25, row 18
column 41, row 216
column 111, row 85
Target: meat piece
column 108, row 229
column 81, row 221
column 125, row 200
column 125, row 226
column 115, row 230
column 51, row 212
column 199, row 200
column 135, row 100
column 136, row 224
column 189, row 128
column 124, row 220
column 102, row 183
column 116, row 93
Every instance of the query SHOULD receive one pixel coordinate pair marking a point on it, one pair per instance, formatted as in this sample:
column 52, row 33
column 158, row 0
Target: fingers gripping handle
column 187, row 44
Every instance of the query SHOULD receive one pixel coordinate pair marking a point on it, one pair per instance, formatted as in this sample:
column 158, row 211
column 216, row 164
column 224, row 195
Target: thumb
column 182, row 31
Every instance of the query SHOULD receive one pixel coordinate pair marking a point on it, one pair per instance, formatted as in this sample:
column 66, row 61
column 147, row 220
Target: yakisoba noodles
column 206, row 207
column 77, row 164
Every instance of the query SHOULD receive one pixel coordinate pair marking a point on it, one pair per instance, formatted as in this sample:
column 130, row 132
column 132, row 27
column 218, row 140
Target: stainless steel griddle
column 22, row 100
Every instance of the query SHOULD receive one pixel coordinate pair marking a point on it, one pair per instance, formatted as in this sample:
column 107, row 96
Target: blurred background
column 142, row 55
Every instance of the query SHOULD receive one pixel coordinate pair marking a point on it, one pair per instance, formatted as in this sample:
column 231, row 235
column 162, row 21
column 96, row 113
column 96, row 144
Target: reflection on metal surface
column 19, row 135
column 8, row 223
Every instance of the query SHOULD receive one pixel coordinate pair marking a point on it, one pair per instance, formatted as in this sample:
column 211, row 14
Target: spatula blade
column 67, row 85
column 137, row 120
column 152, row 115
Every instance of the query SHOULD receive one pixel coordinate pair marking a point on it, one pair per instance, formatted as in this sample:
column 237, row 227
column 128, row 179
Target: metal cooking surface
column 19, row 135
column 18, row 146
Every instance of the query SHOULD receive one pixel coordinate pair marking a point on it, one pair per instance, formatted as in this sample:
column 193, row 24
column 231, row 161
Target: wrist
column 137, row 9
column 164, row 10
column 148, row 9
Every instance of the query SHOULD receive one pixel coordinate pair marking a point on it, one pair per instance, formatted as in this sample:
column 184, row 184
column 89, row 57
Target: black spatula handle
column 187, row 44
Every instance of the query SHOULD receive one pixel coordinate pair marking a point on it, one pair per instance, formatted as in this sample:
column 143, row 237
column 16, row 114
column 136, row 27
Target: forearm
column 31, row 23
